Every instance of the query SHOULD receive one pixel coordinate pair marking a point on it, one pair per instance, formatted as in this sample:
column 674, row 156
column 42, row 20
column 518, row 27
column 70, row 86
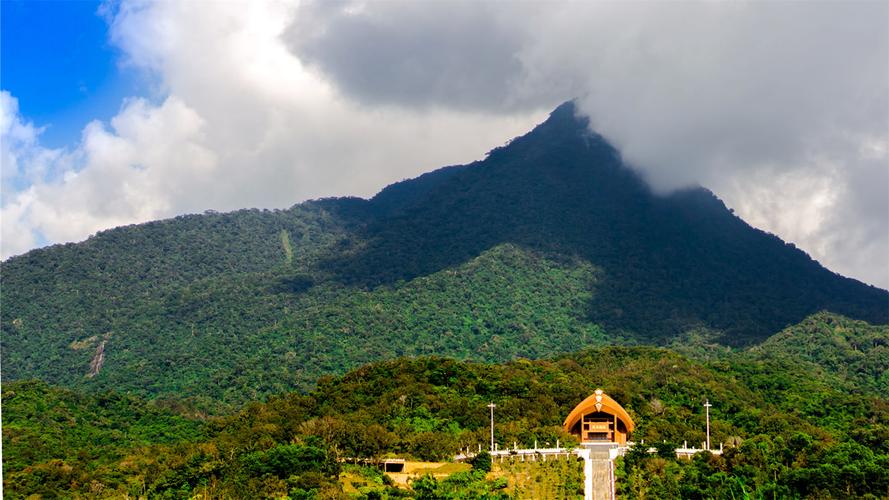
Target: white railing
column 614, row 451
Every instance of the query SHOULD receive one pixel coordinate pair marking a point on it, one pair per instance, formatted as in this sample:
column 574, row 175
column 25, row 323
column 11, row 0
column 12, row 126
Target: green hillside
column 550, row 244
column 794, row 433
column 856, row 352
column 56, row 440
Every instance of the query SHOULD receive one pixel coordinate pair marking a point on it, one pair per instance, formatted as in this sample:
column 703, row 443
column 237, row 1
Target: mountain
column 855, row 352
column 550, row 244
column 789, row 433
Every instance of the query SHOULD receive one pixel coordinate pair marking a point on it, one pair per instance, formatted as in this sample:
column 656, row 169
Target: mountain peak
column 566, row 133
column 562, row 188
column 567, row 111
column 566, row 118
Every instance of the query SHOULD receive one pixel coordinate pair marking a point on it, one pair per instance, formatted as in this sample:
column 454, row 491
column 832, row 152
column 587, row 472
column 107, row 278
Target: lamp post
column 492, row 406
column 707, row 405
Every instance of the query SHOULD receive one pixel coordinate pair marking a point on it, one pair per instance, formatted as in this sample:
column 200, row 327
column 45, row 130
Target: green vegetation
column 548, row 245
column 368, row 482
column 561, row 478
column 488, row 309
column 285, row 244
column 762, row 467
column 795, row 432
column 462, row 485
column 855, row 352
column 56, row 440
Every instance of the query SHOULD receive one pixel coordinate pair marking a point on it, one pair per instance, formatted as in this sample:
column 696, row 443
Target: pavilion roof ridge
column 599, row 401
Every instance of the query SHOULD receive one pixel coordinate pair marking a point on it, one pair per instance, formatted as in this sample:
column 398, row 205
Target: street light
column 492, row 406
column 707, row 405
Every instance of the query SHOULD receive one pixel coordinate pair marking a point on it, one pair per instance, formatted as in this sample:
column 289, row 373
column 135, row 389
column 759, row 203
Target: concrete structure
column 598, row 472
column 686, row 452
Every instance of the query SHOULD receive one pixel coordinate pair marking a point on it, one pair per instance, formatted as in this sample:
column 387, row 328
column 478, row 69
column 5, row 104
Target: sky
column 121, row 112
column 58, row 62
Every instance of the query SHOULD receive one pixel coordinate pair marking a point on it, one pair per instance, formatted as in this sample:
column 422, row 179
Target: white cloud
column 781, row 108
column 243, row 124
column 135, row 171
column 23, row 162
column 21, row 156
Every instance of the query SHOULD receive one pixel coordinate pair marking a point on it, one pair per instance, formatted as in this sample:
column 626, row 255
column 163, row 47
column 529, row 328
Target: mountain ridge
column 237, row 305
column 572, row 155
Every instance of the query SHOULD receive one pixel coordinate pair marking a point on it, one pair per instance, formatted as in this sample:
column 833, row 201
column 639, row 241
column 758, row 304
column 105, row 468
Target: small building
column 599, row 419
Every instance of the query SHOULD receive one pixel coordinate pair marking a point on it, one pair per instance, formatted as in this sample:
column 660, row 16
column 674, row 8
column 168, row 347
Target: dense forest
column 790, row 430
column 548, row 245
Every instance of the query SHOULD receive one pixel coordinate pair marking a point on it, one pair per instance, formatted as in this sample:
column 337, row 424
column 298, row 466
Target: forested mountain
column 854, row 351
column 789, row 432
column 548, row 245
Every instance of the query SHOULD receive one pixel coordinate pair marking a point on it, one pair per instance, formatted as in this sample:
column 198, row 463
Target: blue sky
column 57, row 61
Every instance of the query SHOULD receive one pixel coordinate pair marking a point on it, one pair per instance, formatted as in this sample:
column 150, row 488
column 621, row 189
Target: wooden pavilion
column 599, row 419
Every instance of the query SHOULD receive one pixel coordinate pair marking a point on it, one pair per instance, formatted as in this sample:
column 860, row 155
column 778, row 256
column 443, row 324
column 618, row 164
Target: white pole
column 707, row 405
column 492, row 406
